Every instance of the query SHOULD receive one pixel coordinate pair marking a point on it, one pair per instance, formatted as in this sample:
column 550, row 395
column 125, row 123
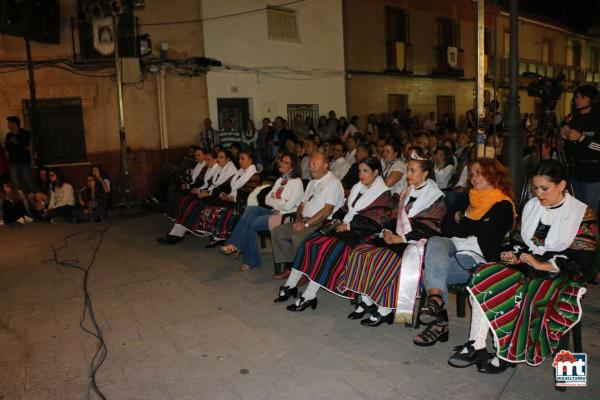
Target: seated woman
column 393, row 168
column 190, row 207
column 531, row 299
column 444, row 166
column 322, row 257
column 92, row 202
column 373, row 271
column 196, row 177
column 39, row 198
column 219, row 214
column 102, row 177
column 13, row 205
column 62, row 197
column 474, row 238
column 283, row 198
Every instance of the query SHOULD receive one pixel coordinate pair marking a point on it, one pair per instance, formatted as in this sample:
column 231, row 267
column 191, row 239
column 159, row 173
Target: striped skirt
column 189, row 210
column 527, row 315
column 374, row 272
column 323, row 259
column 218, row 220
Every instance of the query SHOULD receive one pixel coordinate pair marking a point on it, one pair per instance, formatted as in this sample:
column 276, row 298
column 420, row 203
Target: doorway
column 236, row 109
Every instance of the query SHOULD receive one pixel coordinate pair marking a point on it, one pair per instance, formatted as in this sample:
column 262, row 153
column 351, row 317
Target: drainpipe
column 162, row 115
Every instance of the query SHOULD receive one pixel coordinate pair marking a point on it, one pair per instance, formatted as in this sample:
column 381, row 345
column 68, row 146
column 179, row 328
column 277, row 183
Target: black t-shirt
column 17, row 147
column 583, row 157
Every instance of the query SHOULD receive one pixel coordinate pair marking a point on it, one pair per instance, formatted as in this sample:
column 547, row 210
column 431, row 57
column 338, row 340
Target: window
column 595, row 59
column 448, row 32
column 281, row 25
column 506, row 44
column 304, row 110
column 397, row 102
column 577, row 54
column 445, row 106
column 61, row 139
column 488, row 47
column 397, row 41
column 547, row 51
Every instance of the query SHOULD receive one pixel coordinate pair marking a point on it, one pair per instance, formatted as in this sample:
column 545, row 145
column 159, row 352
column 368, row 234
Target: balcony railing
column 573, row 75
column 399, row 57
column 449, row 62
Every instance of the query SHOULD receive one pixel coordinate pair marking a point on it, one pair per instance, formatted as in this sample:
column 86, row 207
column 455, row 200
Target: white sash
column 210, row 173
column 223, row 175
column 427, row 195
column 197, row 169
column 240, row 178
column 408, row 280
column 370, row 194
column 563, row 229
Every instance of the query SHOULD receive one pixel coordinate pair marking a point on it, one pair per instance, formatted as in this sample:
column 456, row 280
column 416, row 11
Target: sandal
column 432, row 334
column 433, row 311
column 245, row 268
column 228, row 249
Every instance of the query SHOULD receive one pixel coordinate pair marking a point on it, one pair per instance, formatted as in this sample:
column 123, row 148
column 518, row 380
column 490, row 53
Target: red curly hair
column 495, row 173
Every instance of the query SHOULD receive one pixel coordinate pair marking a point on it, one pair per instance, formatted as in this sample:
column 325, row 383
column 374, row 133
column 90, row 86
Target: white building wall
column 242, row 41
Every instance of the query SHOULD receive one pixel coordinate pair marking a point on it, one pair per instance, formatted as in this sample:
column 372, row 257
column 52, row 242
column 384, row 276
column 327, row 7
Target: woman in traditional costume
column 386, row 281
column 531, row 299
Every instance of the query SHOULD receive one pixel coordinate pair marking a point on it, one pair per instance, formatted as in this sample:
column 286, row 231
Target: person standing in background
column 17, row 145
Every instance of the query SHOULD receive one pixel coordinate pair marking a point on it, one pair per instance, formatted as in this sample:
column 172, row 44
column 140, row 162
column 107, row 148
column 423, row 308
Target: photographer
column 582, row 146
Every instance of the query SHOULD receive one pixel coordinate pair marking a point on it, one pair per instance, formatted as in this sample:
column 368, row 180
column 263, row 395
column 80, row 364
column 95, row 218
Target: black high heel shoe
column 379, row 319
column 490, row 368
column 312, row 303
column 432, row 334
column 285, row 292
column 366, row 310
column 170, row 239
column 214, row 243
column 462, row 360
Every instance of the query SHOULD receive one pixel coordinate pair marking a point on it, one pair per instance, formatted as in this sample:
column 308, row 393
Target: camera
column 547, row 89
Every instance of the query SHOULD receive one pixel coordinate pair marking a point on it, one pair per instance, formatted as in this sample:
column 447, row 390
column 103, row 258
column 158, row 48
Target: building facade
column 277, row 61
column 163, row 110
column 421, row 55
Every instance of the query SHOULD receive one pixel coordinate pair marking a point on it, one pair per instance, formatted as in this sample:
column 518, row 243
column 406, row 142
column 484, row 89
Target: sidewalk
column 181, row 322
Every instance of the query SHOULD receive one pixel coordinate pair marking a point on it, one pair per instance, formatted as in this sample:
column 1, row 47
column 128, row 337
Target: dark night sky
column 578, row 14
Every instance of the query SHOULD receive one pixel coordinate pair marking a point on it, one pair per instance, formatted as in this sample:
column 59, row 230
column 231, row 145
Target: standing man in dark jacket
column 582, row 146
column 19, row 155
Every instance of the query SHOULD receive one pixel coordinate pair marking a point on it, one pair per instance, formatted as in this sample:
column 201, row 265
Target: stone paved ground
column 181, row 323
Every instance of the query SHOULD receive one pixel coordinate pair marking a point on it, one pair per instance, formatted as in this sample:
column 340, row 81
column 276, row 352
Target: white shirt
column 304, row 166
column 396, row 165
column 351, row 157
column 291, row 196
column 462, row 181
column 429, row 124
column 339, row 167
column 327, row 190
column 443, row 175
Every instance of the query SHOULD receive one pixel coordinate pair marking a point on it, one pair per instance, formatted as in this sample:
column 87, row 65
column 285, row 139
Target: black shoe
column 366, row 310
column 214, row 243
column 432, row 334
column 170, row 239
column 303, row 305
column 379, row 319
column 285, row 292
column 490, row 368
column 472, row 356
column 433, row 311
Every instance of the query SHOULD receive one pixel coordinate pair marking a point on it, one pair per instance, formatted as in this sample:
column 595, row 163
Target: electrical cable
column 191, row 21
column 88, row 312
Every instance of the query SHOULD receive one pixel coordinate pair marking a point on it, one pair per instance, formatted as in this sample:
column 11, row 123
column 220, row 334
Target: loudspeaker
column 43, row 16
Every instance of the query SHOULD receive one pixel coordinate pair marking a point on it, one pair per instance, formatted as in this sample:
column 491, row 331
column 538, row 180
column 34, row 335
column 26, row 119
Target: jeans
column 254, row 220
column 21, row 176
column 443, row 266
column 587, row 192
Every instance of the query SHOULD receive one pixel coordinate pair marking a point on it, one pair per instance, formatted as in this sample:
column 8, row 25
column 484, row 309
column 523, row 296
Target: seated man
column 323, row 196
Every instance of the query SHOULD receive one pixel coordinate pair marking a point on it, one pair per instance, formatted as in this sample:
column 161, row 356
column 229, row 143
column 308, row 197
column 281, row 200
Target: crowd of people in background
column 49, row 196
column 363, row 208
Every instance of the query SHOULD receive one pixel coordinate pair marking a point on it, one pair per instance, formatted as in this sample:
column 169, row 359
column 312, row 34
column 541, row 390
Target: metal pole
column 480, row 78
column 513, row 148
column 125, row 190
column 32, row 92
